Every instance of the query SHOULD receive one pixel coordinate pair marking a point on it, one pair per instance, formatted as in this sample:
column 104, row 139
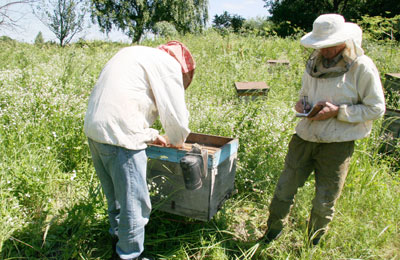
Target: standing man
column 346, row 83
column 138, row 84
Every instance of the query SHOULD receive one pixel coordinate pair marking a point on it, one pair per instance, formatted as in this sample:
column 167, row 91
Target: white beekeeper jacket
column 135, row 86
column 359, row 94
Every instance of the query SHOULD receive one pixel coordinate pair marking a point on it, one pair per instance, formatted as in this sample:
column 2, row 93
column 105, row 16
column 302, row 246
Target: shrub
column 165, row 29
column 39, row 39
column 380, row 28
column 259, row 26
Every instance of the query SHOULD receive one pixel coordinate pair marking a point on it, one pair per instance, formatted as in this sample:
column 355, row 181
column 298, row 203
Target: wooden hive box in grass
column 391, row 123
column 391, row 127
column 278, row 62
column 392, row 90
column 167, row 185
column 392, row 81
column 251, row 90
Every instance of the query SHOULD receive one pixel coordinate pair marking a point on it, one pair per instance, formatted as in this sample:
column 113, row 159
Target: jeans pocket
column 107, row 149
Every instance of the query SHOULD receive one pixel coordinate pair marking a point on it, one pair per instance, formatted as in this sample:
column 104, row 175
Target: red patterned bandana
column 181, row 53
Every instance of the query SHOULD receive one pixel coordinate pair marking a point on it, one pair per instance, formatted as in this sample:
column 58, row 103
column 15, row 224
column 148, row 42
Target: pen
column 305, row 101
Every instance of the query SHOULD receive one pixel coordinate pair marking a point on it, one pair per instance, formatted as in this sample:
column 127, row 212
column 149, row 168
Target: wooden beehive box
column 392, row 90
column 391, row 126
column 167, row 187
column 392, row 81
column 251, row 89
column 278, row 62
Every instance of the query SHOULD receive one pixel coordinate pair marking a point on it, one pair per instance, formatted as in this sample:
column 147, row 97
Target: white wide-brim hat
column 329, row 30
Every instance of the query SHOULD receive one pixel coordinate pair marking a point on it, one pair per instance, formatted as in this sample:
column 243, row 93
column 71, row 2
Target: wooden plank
column 185, row 148
column 251, row 89
column 164, row 153
column 392, row 81
column 207, row 140
column 391, row 128
column 392, row 122
column 224, row 184
column 395, row 76
column 218, row 148
column 227, row 151
column 275, row 62
column 170, row 195
column 168, row 192
column 251, row 86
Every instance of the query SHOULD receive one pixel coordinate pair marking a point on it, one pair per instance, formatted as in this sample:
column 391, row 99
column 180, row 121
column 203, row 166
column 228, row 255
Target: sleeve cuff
column 342, row 114
column 153, row 133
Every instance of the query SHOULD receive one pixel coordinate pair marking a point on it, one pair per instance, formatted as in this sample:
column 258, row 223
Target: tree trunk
column 137, row 35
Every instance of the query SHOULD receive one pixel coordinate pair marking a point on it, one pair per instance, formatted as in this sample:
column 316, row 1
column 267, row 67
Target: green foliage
column 301, row 13
column 380, row 28
column 134, row 18
column 258, row 26
column 52, row 206
column 39, row 41
column 165, row 29
column 228, row 22
column 188, row 16
column 131, row 17
column 5, row 38
column 286, row 28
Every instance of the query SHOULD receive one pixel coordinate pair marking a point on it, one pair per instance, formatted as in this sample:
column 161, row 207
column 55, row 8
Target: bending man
column 138, row 84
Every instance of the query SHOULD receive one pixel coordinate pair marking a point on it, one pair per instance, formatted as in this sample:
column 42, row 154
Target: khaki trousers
column 330, row 162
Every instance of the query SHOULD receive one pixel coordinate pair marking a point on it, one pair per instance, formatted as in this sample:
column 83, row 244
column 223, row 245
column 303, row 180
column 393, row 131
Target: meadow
column 51, row 203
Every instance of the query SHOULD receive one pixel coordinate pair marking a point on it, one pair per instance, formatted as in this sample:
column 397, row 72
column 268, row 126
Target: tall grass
column 52, row 206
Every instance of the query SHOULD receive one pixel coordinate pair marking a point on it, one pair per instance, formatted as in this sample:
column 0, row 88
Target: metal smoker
column 194, row 167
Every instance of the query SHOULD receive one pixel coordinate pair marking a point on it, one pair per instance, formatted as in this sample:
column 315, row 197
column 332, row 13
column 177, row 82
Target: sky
column 29, row 26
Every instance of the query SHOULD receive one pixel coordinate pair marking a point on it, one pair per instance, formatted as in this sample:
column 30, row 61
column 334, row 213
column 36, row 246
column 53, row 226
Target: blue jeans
column 122, row 174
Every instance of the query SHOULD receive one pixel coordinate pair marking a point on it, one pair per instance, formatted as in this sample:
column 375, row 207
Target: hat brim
column 310, row 41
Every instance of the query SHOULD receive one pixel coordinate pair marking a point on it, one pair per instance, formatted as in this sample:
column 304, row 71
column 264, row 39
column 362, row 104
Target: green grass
column 52, row 206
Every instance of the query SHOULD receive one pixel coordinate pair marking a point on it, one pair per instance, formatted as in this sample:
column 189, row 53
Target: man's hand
column 174, row 146
column 329, row 110
column 300, row 108
column 160, row 140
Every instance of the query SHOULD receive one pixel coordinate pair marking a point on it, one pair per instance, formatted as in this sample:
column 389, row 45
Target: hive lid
column 273, row 62
column 248, row 86
column 392, row 75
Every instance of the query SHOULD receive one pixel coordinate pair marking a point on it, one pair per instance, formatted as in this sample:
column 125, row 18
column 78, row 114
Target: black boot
column 315, row 237
column 270, row 234
column 114, row 241
column 315, row 241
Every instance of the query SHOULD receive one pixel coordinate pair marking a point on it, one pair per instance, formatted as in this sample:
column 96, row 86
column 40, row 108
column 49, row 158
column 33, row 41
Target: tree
column 289, row 14
column 6, row 19
column 164, row 29
column 188, row 16
column 39, row 39
column 228, row 21
column 65, row 18
column 135, row 17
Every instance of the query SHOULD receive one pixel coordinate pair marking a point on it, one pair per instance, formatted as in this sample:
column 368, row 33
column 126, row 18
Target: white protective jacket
column 359, row 94
column 135, row 86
